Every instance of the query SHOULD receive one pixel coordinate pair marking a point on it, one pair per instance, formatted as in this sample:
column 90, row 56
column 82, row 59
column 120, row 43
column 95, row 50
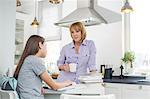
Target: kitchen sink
column 129, row 77
column 143, row 80
column 128, row 80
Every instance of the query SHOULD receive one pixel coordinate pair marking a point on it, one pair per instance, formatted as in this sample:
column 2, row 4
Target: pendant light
column 56, row 1
column 126, row 8
column 35, row 23
column 18, row 3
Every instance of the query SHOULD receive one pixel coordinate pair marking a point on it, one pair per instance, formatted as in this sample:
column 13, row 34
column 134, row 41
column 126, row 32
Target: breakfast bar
column 79, row 89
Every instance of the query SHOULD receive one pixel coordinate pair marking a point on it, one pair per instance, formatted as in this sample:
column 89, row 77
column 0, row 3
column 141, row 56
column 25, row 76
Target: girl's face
column 43, row 49
column 76, row 34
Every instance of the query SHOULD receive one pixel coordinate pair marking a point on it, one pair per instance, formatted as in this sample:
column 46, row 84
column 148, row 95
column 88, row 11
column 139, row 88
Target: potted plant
column 129, row 57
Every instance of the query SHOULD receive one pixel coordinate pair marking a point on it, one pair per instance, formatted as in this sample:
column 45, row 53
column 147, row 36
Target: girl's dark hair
column 31, row 48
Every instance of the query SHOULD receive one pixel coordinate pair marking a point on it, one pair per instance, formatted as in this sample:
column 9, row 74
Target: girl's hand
column 68, row 82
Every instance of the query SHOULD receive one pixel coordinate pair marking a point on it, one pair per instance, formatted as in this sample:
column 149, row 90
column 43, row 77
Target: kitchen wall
column 107, row 37
column 8, row 18
column 7, row 34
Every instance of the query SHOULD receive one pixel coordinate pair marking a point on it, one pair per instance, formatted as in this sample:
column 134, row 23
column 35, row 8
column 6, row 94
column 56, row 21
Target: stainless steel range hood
column 89, row 14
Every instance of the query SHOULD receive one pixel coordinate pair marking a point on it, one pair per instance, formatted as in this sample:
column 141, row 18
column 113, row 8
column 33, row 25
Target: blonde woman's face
column 76, row 34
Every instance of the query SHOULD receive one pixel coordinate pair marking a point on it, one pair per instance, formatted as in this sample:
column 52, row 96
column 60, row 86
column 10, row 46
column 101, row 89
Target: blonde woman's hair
column 81, row 27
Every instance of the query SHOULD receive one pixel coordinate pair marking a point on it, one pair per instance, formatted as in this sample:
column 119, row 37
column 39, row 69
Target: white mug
column 72, row 67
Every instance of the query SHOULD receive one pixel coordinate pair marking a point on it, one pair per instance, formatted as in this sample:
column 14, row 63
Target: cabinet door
column 115, row 89
column 21, row 23
column 135, row 91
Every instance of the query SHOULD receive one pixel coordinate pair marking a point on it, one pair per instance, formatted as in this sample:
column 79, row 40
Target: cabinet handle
column 103, row 84
column 140, row 87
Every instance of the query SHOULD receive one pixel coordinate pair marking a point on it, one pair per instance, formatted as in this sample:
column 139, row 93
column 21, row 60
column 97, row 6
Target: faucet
column 121, row 75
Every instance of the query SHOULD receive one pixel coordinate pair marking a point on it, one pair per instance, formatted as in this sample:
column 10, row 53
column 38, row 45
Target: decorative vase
column 128, row 68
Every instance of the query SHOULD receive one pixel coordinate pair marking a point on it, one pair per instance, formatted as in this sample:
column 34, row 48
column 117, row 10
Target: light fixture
column 56, row 1
column 18, row 3
column 35, row 23
column 126, row 8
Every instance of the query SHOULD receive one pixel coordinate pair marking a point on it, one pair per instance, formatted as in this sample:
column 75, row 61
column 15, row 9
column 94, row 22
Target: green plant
column 129, row 57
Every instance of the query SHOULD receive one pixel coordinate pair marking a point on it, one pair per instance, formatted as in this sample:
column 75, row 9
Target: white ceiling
column 28, row 6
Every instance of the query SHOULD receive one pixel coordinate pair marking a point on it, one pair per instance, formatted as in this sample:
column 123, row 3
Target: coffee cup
column 72, row 67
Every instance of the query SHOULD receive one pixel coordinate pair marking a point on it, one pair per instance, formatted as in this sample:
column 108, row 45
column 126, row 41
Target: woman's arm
column 51, row 83
column 92, row 58
column 61, row 62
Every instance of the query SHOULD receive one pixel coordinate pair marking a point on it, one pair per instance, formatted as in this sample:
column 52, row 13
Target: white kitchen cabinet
column 135, row 91
column 113, row 88
column 128, row 91
column 20, row 35
column 19, row 39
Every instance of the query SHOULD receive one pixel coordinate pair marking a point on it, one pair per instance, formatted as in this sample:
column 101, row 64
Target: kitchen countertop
column 81, row 89
column 128, row 80
column 95, row 88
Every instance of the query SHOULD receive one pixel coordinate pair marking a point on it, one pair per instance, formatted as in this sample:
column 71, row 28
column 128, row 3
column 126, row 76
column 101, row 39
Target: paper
column 90, row 79
column 66, row 88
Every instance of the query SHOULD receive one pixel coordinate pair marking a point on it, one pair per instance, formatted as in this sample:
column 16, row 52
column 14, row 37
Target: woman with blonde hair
column 31, row 71
column 80, row 52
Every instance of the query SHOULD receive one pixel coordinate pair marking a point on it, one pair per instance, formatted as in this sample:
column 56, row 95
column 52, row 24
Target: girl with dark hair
column 31, row 71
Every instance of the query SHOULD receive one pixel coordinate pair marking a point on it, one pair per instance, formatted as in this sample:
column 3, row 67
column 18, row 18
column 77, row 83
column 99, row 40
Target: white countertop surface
column 92, row 88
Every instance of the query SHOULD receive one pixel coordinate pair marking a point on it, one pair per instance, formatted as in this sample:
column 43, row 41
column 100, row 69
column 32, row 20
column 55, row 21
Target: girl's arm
column 51, row 83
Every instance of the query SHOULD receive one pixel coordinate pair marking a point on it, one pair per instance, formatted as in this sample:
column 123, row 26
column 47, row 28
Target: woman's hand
column 94, row 73
column 65, row 67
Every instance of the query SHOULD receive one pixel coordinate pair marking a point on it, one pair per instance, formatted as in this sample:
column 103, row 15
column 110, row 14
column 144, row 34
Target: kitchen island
column 128, row 87
column 79, row 89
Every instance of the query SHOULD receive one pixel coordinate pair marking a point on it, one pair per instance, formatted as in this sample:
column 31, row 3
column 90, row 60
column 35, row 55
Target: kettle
column 108, row 73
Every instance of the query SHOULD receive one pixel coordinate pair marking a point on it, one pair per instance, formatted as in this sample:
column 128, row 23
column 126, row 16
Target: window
column 48, row 15
column 53, row 53
column 140, row 34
